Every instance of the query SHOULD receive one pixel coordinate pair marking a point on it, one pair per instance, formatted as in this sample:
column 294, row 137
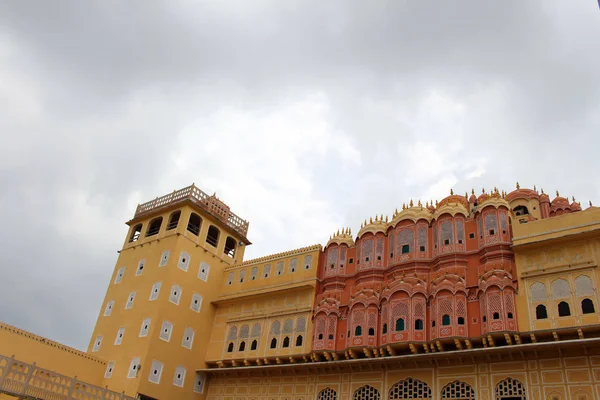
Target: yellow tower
column 155, row 322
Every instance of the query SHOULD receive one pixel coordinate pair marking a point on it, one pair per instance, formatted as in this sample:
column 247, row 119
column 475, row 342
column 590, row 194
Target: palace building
column 491, row 297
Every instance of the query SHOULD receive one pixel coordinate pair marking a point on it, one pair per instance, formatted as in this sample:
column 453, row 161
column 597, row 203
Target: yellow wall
column 267, row 298
column 554, row 379
column 564, row 248
column 51, row 355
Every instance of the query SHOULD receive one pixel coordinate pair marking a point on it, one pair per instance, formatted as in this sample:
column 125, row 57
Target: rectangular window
column 133, row 368
column 164, row 259
column 120, row 274
column 175, row 294
column 155, row 291
column 155, row 372
column 279, row 268
column 129, row 303
column 109, row 307
column 165, row 331
column 184, row 261
column 109, row 369
column 179, row 376
column 293, row 264
column 196, row 302
column 203, row 271
column 188, row 338
column 199, row 382
column 97, row 343
column 119, row 338
column 145, row 327
column 140, row 268
column 267, row 271
column 307, row 261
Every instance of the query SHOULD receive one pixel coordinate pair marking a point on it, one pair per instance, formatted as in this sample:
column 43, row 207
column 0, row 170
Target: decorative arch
column 410, row 388
column 327, row 394
column 366, row 392
column 510, row 388
column 458, row 390
column 561, row 289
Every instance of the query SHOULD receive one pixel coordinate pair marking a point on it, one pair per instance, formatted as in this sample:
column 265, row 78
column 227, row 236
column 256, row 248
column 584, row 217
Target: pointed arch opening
column 510, row 389
column 366, row 392
column 410, row 388
column 400, row 324
column 541, row 312
column 564, row 310
column 587, row 306
column 458, row 390
column 327, row 394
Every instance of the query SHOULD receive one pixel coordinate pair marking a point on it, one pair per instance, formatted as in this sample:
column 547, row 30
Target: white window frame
column 144, row 332
column 109, row 369
column 97, row 343
column 179, row 381
column 203, row 276
column 230, row 278
column 200, row 382
column 175, row 295
column 109, row 307
column 140, row 267
column 242, row 276
column 184, row 265
column 133, row 368
column 164, row 258
column 155, row 292
column 168, row 326
column 189, row 332
column 156, row 366
column 193, row 307
column 119, row 337
column 120, row 274
column 130, row 301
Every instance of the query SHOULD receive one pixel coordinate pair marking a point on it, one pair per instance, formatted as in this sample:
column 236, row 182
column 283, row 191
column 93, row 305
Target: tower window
column 134, row 367
column 492, row 232
column 155, row 372
column 229, row 248
column 405, row 249
column 330, row 337
column 97, row 343
column 173, row 220
column 299, row 340
column 203, row 270
column 286, row 342
column 461, row 320
column 446, row 241
column 274, row 343
column 196, row 302
column 509, row 315
column 496, row 315
column 175, row 294
column 212, row 237
column 400, row 324
column 109, row 307
column 371, row 332
column 109, row 369
column 320, row 337
column 140, row 267
column 184, row 261
column 520, row 210
column 179, row 377
column 188, row 338
column 351, row 261
column 587, row 306
column 145, row 327
column 155, row 291
column 119, row 338
column 129, row 303
column 358, row 331
column 164, row 258
column 446, row 320
column 120, row 274
column 471, row 236
column 418, row 324
column 165, row 331
column 541, row 312
column 242, row 346
column 135, row 233
column 154, row 226
column 422, row 249
column 254, row 345
column 563, row 309
column 366, row 259
column 230, row 347
column 194, row 224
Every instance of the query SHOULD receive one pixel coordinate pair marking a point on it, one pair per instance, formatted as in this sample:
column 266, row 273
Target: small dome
column 341, row 237
column 473, row 198
column 522, row 193
column 544, row 198
column 575, row 206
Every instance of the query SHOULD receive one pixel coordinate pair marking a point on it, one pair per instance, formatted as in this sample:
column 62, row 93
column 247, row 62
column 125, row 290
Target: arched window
column 541, row 312
column 458, row 390
column 461, row 320
column 242, row 346
column 563, row 309
column 274, row 343
column 229, row 246
column 230, row 347
column 418, row 324
column 405, row 249
column 587, row 306
column 496, row 315
column 212, row 237
column 446, row 320
column 371, row 331
column 327, row 394
column 135, row 233
column 521, row 210
column 400, row 324
column 410, row 389
column 254, row 345
column 366, row 392
column 509, row 315
column 154, row 226
column 384, row 329
column 173, row 220
column 510, row 389
column 358, row 331
column 286, row 342
column 320, row 337
column 299, row 340
column 194, row 224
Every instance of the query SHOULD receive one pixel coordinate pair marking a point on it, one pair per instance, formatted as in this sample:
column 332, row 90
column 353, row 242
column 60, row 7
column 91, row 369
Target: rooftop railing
column 208, row 203
column 29, row 381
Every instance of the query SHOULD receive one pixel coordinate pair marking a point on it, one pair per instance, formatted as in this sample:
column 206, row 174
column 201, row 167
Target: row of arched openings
column 507, row 389
column 564, row 309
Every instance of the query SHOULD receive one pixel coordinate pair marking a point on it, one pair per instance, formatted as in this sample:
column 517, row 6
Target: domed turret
column 373, row 226
column 412, row 212
column 341, row 237
column 575, row 206
column 473, row 198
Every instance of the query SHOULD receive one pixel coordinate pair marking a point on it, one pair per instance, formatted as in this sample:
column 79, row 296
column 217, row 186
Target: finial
column 482, row 190
column 451, row 192
column 419, row 203
column 411, row 203
column 590, row 203
column 557, row 194
column 396, row 212
column 518, row 186
column 534, row 188
column 403, row 206
column 467, row 195
column 436, row 203
column 427, row 204
column 386, row 218
column 365, row 222
column 472, row 191
column 370, row 220
column 573, row 197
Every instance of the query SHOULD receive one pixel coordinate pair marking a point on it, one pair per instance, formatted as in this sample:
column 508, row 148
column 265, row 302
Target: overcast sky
column 304, row 116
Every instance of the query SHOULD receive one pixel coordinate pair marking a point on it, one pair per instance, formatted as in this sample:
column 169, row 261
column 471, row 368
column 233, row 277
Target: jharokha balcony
column 210, row 204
